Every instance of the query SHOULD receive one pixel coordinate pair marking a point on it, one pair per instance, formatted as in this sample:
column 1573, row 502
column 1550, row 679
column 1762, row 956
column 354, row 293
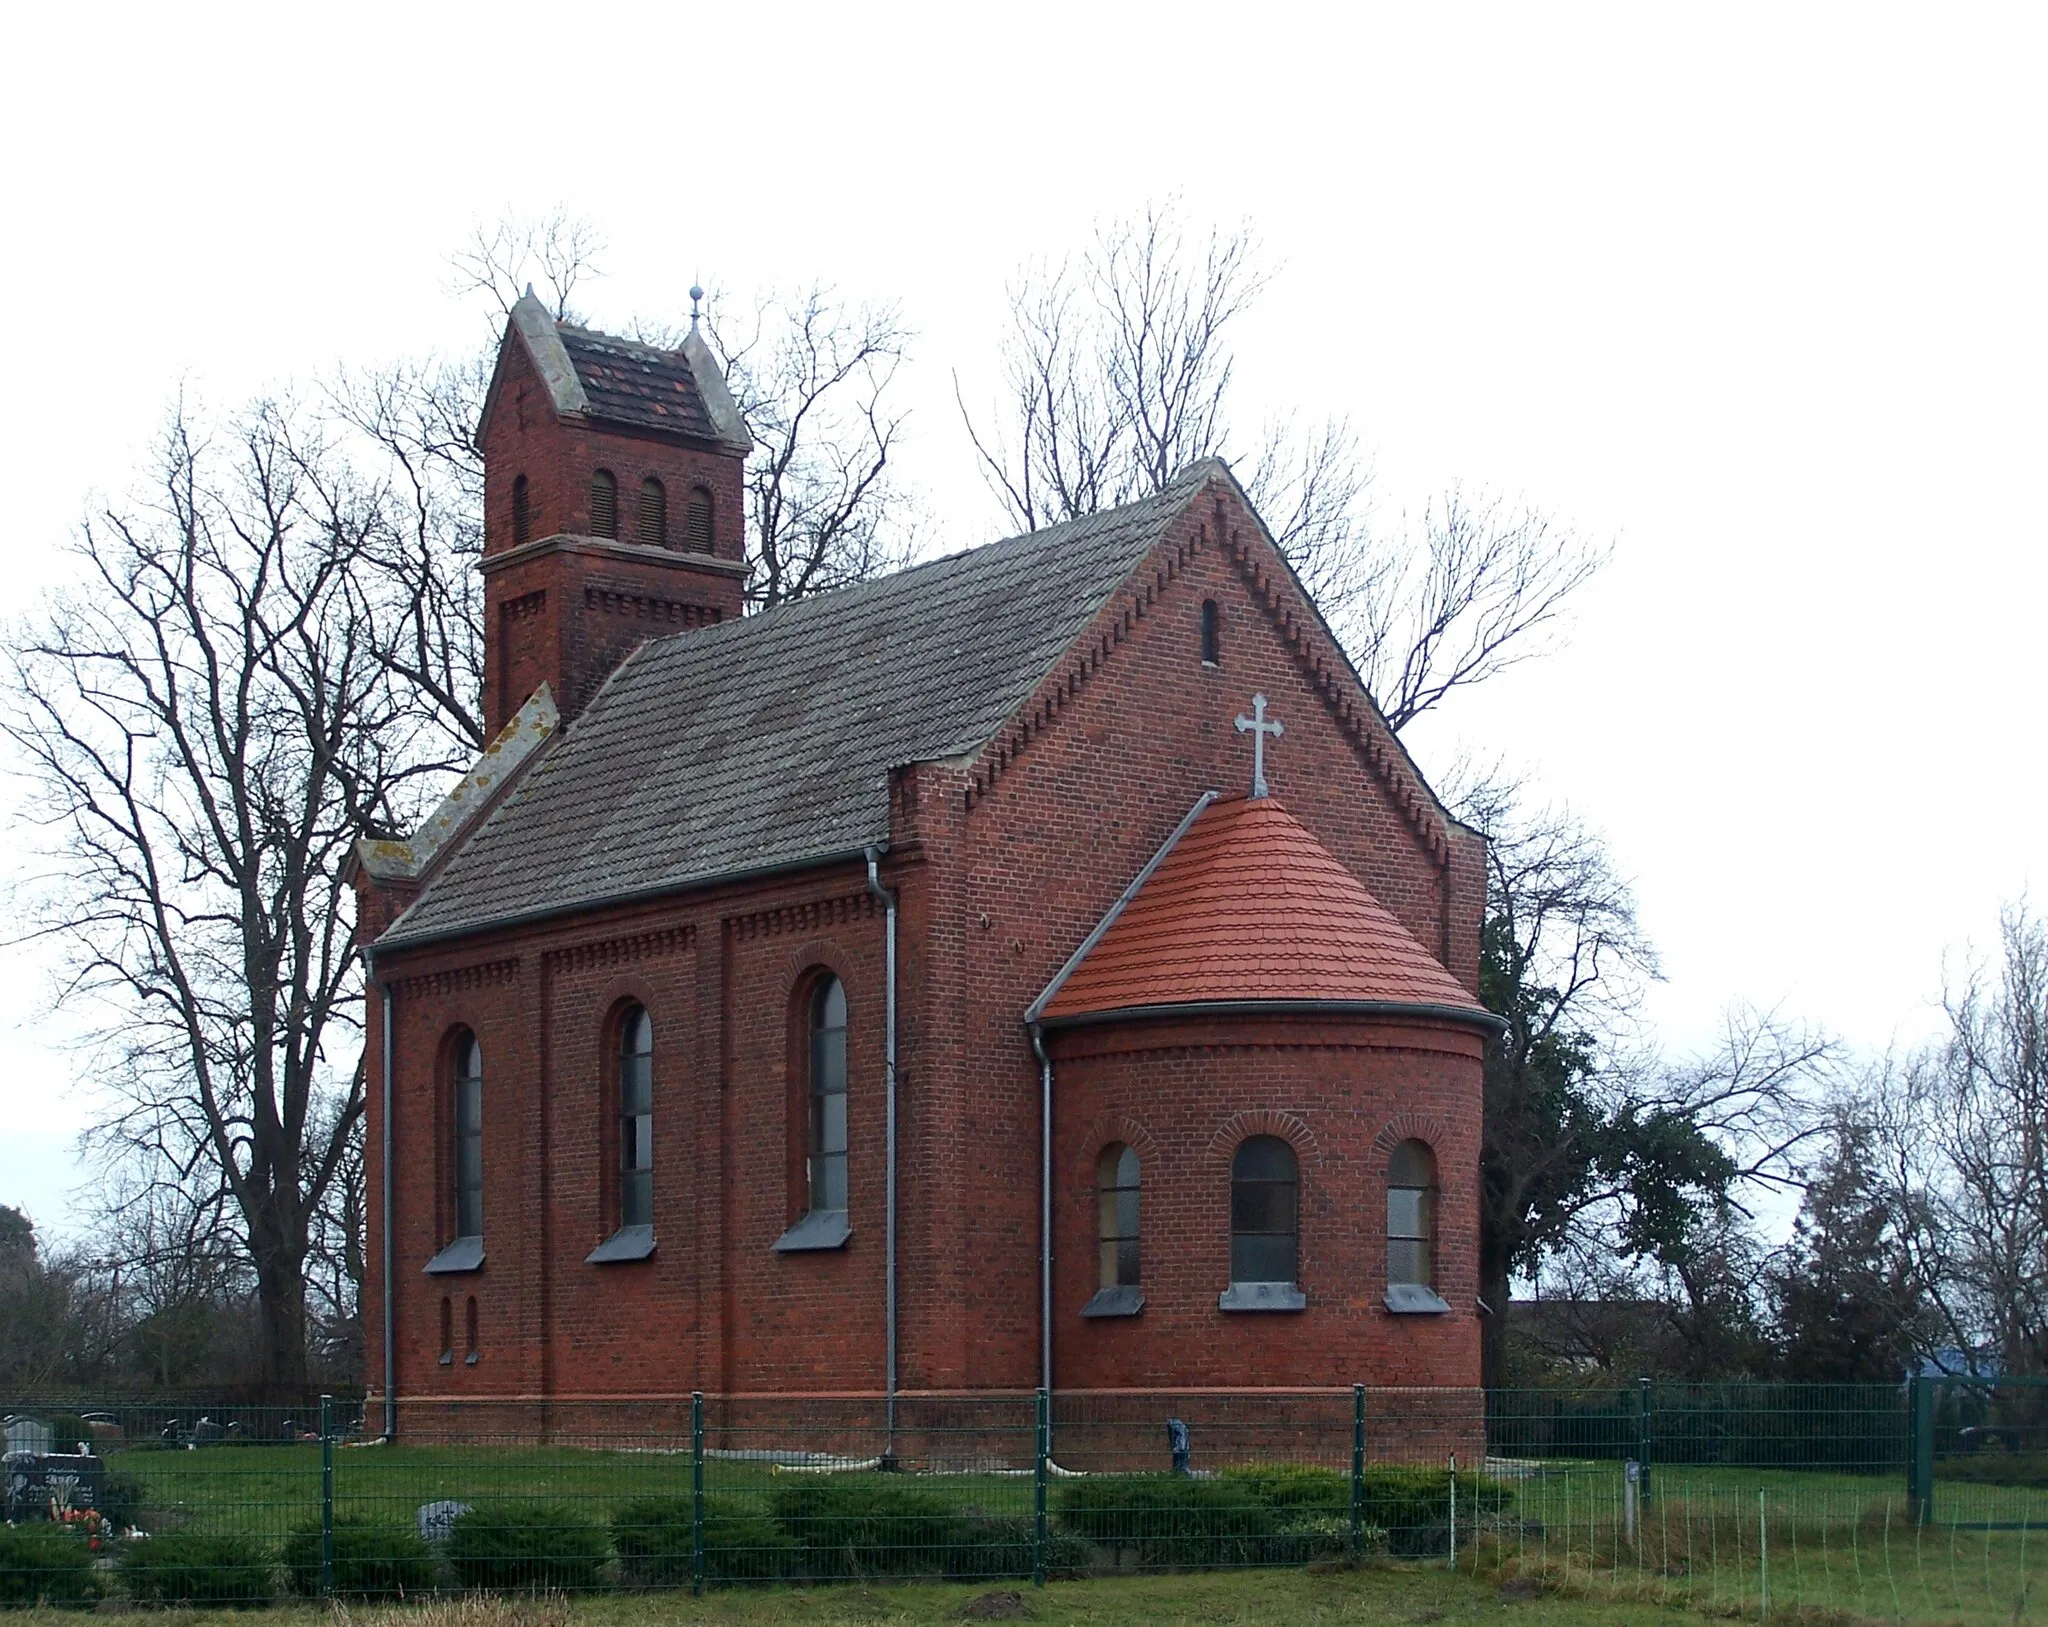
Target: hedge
column 183, row 1567
column 652, row 1538
column 526, row 1548
column 371, row 1561
column 40, row 1564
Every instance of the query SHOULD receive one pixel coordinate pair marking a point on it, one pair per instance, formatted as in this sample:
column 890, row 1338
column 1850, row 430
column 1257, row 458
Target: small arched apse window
column 828, row 1097
column 1265, row 1184
column 522, row 511
column 636, row 1118
column 1116, row 1189
column 1411, row 1215
column 604, row 504
column 653, row 517
column 468, row 1088
column 1212, row 635
column 697, row 521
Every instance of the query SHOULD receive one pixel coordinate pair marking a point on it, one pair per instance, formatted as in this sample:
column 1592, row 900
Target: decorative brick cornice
column 1263, row 1121
column 812, row 917
column 1331, row 676
column 1164, row 566
column 621, row 951
column 483, row 974
column 646, row 607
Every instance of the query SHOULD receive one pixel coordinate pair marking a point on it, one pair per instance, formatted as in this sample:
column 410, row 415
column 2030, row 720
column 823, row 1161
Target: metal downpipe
column 888, row 899
column 384, row 1137
column 1044, row 1209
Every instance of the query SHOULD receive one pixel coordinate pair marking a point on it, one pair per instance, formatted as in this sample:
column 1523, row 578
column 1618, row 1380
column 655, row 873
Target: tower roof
column 1242, row 905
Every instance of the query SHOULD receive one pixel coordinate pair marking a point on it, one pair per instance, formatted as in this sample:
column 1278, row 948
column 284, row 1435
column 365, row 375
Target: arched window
column 1116, row 1188
column 469, row 1137
column 636, row 1119
column 697, row 522
column 522, row 512
column 469, row 1324
column 604, row 504
column 1411, row 1216
column 1212, row 637
column 447, row 1332
column 828, row 1097
column 1265, row 1184
column 653, row 517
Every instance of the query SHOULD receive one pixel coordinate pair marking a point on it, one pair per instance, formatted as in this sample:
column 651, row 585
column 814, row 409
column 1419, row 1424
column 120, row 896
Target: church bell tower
column 613, row 505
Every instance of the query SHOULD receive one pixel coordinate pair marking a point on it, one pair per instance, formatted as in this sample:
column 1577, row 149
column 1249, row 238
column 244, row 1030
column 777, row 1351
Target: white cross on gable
column 1258, row 727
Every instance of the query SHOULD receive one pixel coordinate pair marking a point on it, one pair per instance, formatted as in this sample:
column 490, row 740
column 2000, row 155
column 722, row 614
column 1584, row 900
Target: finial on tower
column 696, row 293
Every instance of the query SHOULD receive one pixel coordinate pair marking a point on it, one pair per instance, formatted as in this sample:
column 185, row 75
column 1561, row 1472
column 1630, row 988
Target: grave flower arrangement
column 85, row 1522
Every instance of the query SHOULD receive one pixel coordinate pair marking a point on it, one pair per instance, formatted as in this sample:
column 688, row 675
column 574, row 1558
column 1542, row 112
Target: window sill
column 820, row 1229
column 1412, row 1299
column 464, row 1254
column 627, row 1243
column 1124, row 1300
column 1262, row 1296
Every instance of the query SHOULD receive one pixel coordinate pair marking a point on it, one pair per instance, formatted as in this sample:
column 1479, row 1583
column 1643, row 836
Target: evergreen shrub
column 652, row 1538
column 186, row 1567
column 526, row 1548
column 40, row 1564
column 371, row 1561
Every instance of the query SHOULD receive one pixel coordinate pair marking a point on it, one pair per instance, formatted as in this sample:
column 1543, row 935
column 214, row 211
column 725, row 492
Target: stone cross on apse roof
column 1258, row 728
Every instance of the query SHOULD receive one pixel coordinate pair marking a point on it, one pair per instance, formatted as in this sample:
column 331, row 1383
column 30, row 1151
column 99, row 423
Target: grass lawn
column 1395, row 1595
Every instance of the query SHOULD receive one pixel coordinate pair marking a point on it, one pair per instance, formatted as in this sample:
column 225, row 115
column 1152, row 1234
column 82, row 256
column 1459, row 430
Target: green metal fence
column 1749, row 1501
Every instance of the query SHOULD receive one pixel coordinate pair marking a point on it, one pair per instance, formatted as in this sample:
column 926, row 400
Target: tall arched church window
column 1411, row 1229
column 824, row 1222
column 697, row 521
column 632, row 1100
column 469, row 1137
column 463, row 1092
column 653, row 516
column 604, row 504
column 1265, row 1229
column 1116, row 1232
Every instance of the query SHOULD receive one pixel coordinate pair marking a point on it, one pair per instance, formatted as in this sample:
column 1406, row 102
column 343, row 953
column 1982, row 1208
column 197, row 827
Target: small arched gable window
column 697, row 521
column 1411, row 1216
column 1212, row 634
column 468, row 1088
column 828, row 1098
column 636, row 1118
column 653, row 516
column 604, row 504
column 522, row 511
column 1265, row 1184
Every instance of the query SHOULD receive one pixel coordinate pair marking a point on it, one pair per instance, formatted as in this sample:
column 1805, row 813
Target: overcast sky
column 1758, row 294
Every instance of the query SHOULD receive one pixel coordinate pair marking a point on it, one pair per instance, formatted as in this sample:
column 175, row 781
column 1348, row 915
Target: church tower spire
column 613, row 504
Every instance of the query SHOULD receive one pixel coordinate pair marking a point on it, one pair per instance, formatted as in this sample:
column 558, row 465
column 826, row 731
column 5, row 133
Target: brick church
column 1039, row 966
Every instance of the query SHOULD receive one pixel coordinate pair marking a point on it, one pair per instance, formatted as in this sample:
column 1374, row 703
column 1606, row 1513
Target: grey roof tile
column 767, row 741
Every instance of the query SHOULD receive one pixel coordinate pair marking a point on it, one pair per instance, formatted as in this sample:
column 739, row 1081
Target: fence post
column 1763, row 1560
column 1920, row 1475
column 696, row 1491
column 1357, row 1470
column 1039, row 1458
column 1643, row 1439
column 326, row 1495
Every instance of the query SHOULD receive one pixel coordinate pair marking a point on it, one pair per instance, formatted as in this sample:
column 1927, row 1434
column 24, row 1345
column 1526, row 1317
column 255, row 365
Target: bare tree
column 1115, row 375
column 502, row 258
column 1962, row 1129
column 1590, row 1139
column 210, row 724
column 812, row 379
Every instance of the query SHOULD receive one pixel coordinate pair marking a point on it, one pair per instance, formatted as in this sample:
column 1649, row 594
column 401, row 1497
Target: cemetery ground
column 1552, row 1546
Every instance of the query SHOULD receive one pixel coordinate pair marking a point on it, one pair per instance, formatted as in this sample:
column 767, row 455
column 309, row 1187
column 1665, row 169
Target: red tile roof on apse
column 1247, row 905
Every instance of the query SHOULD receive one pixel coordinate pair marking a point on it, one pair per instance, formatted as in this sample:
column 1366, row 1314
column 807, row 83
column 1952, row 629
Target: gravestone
column 25, row 1434
column 437, row 1520
column 204, row 1433
column 1177, row 1442
column 42, row 1485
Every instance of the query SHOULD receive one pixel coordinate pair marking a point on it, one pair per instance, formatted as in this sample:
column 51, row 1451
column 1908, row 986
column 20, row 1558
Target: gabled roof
column 608, row 380
column 766, row 743
column 1243, row 906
